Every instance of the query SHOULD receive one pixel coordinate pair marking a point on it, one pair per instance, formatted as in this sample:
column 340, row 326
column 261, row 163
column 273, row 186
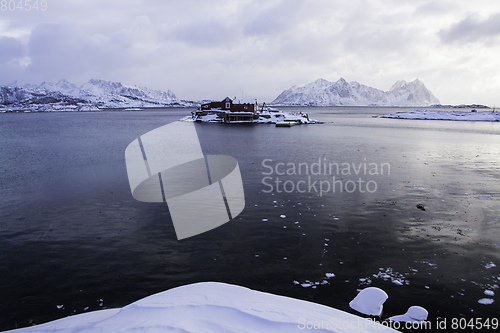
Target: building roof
column 244, row 101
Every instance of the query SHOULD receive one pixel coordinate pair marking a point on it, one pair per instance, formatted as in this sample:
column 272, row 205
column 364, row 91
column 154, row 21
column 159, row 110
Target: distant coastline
column 471, row 115
column 97, row 95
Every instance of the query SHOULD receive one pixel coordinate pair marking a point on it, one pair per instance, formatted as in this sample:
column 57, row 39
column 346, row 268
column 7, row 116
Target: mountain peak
column 14, row 84
column 398, row 85
column 104, row 83
column 319, row 83
column 63, row 82
column 65, row 85
column 416, row 82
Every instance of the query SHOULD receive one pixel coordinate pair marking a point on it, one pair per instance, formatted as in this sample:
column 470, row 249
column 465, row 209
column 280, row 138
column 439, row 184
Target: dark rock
column 421, row 207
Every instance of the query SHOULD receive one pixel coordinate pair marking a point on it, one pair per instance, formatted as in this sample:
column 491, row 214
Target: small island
column 237, row 111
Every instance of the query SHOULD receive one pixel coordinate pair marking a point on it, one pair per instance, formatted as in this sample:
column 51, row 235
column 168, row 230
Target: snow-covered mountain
column 95, row 94
column 325, row 93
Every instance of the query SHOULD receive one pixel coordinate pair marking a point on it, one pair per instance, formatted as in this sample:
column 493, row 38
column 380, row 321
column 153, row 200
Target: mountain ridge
column 93, row 95
column 342, row 93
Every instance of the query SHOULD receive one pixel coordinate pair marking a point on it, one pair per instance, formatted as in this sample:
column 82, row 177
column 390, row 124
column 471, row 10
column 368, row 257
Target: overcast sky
column 210, row 49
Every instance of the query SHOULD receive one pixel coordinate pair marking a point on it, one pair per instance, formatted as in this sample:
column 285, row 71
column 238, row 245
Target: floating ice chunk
column 399, row 283
column 369, row 301
column 483, row 197
column 414, row 314
column 490, row 265
column 60, row 306
column 489, row 292
column 282, row 216
column 485, row 301
column 329, row 275
column 264, row 220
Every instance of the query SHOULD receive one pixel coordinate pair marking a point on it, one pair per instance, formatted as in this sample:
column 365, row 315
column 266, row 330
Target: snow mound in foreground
column 369, row 301
column 415, row 314
column 212, row 307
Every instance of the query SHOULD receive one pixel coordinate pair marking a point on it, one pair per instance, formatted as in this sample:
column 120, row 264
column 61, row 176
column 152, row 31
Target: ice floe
column 490, row 265
column 486, row 301
column 314, row 285
column 489, row 292
column 387, row 274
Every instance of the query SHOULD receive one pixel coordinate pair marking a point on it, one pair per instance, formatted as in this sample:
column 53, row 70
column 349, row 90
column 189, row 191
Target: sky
column 210, row 49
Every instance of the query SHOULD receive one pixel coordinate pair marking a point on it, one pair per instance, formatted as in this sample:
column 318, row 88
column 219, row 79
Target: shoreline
column 473, row 115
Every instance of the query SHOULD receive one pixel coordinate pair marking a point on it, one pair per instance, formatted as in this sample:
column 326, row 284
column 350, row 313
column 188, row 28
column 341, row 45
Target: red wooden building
column 229, row 105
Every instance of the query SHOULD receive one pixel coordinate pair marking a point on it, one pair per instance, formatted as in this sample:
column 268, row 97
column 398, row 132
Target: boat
column 285, row 124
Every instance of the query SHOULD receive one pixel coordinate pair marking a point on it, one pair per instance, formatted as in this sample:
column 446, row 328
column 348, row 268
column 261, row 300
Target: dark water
column 71, row 234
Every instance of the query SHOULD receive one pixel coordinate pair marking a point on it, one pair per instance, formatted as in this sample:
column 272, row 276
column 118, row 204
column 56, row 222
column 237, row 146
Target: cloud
column 13, row 58
column 472, row 29
column 61, row 50
column 11, row 49
column 273, row 20
column 208, row 33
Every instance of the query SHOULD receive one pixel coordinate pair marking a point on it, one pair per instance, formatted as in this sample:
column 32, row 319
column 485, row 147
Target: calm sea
column 330, row 209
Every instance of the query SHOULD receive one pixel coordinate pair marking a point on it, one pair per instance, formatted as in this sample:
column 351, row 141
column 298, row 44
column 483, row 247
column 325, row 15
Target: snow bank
column 213, row 307
column 446, row 115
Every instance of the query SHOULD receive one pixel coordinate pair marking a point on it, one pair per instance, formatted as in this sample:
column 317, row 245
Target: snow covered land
column 267, row 116
column 446, row 115
column 325, row 93
column 215, row 307
column 91, row 96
